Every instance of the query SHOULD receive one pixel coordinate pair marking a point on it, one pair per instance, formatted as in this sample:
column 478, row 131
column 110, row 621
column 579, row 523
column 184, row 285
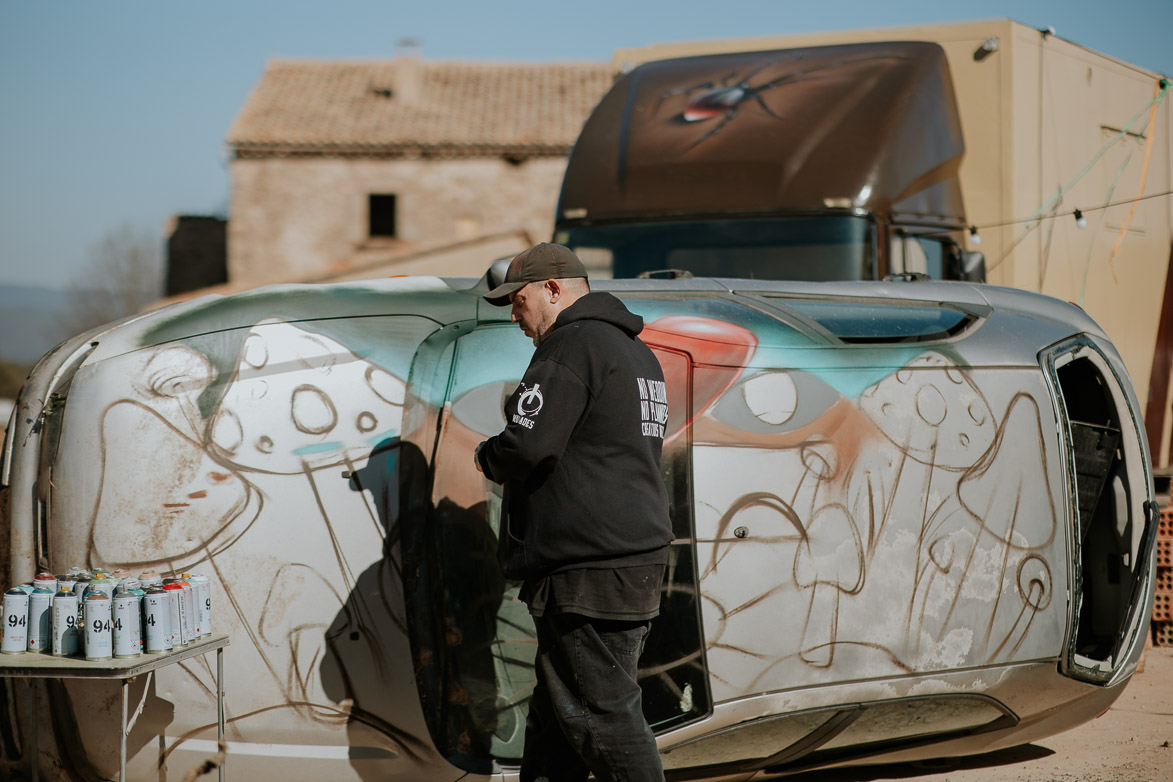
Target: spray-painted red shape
column 723, row 348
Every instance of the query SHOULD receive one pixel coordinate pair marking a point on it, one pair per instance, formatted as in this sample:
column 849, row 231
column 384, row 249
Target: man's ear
column 554, row 289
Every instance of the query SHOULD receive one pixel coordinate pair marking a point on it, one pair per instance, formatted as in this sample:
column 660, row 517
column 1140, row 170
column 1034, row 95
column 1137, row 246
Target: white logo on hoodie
column 530, row 402
column 653, row 406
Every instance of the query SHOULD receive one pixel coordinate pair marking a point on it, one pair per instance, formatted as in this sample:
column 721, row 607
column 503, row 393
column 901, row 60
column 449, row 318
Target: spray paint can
column 175, row 602
column 105, row 585
column 197, row 606
column 190, row 620
column 187, row 616
column 120, row 578
column 65, row 582
column 39, row 618
column 131, row 587
column 149, row 579
column 16, row 622
column 125, row 625
column 79, row 586
column 46, row 580
column 65, row 628
column 203, row 599
column 99, row 638
column 156, row 621
column 193, row 610
column 80, row 590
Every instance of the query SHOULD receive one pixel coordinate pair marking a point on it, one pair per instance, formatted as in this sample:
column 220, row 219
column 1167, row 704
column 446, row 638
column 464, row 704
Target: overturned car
column 913, row 519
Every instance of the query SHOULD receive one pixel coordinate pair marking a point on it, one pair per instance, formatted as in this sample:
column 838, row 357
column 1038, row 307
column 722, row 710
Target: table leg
column 220, row 705
column 122, row 733
column 36, row 728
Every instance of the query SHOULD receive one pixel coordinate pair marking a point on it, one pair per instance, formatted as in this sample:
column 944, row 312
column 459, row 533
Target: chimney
column 406, row 74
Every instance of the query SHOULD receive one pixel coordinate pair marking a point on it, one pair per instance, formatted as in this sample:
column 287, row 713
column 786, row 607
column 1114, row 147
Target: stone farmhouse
column 349, row 170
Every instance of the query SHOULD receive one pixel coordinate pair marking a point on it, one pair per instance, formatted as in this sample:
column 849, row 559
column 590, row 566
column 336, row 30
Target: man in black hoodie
column 584, row 517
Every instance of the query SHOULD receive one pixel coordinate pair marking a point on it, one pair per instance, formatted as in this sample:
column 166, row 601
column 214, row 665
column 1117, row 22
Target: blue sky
column 114, row 113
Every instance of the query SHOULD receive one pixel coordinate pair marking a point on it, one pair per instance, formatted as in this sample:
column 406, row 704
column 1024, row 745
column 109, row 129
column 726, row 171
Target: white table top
column 46, row 666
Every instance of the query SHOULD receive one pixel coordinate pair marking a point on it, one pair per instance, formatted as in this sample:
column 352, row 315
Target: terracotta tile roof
column 406, row 107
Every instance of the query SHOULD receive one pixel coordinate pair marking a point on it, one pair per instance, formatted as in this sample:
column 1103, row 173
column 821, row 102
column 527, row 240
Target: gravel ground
column 1132, row 742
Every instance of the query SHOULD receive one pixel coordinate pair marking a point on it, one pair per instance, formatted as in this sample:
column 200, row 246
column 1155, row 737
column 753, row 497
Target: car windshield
column 828, row 247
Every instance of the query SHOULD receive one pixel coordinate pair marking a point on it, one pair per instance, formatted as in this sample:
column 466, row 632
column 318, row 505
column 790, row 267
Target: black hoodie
column 580, row 454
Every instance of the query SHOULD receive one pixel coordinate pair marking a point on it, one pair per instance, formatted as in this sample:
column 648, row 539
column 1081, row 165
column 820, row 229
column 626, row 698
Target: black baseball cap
column 543, row 261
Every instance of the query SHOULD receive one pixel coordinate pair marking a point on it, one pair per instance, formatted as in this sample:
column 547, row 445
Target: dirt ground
column 1132, row 742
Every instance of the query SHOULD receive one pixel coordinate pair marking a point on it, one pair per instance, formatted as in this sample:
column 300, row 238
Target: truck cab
column 819, row 164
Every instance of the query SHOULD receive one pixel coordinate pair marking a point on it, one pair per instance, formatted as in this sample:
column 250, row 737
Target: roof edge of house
column 253, row 149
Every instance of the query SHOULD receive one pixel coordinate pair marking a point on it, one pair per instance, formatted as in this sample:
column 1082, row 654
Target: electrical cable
column 1040, row 219
column 1163, row 88
column 1091, row 245
column 1160, row 90
column 973, row 229
column 1054, row 215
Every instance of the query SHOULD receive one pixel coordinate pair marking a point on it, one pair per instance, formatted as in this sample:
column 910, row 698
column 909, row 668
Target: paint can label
column 157, row 622
column 193, row 613
column 175, row 601
column 16, row 622
column 203, row 589
column 125, row 626
column 39, row 620
column 65, row 627
column 98, row 633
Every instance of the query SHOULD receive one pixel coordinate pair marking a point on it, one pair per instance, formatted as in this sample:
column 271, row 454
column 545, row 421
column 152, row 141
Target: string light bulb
column 974, row 237
column 1080, row 220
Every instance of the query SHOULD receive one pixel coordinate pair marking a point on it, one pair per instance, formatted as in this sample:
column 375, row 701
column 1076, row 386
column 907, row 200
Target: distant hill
column 30, row 321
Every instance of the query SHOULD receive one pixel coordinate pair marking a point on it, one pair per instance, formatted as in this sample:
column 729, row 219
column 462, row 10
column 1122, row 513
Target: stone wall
column 300, row 218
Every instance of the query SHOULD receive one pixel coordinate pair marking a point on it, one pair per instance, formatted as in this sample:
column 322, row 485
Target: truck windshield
column 825, row 247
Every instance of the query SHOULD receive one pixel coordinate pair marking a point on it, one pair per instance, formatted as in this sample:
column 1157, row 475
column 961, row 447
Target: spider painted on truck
column 724, row 97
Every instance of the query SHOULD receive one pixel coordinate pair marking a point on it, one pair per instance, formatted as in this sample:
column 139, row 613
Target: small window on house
column 381, row 211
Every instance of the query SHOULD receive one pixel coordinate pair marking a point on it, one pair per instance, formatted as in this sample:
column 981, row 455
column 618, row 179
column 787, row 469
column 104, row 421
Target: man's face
column 533, row 310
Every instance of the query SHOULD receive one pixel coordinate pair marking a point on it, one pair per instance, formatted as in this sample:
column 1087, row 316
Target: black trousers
column 585, row 715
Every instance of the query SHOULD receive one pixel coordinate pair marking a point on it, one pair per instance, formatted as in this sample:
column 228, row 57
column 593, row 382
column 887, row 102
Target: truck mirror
column 973, row 266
